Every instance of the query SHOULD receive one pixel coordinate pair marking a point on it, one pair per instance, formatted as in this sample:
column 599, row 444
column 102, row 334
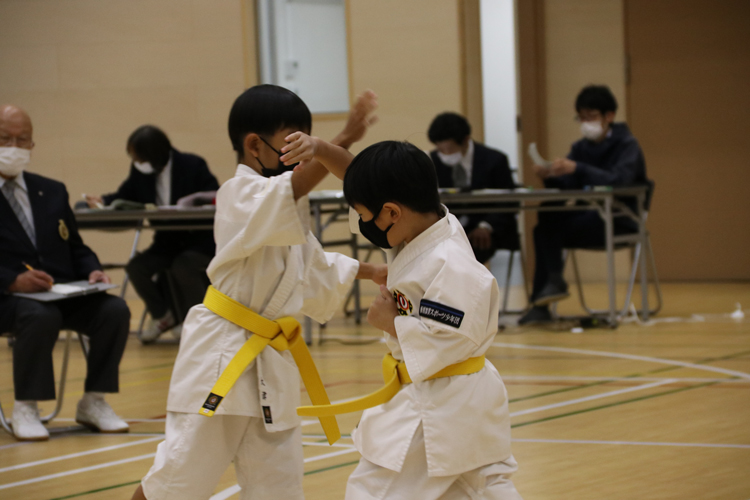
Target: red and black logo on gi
column 402, row 303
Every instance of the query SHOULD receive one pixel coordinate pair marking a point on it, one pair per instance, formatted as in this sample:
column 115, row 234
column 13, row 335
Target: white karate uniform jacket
column 449, row 304
column 267, row 259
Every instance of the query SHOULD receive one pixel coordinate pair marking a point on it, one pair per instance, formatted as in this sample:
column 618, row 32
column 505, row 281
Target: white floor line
column 632, row 443
column 233, row 490
column 79, row 454
column 562, row 378
column 331, row 455
column 125, row 419
column 325, row 444
column 591, row 398
column 76, row 471
column 606, row 354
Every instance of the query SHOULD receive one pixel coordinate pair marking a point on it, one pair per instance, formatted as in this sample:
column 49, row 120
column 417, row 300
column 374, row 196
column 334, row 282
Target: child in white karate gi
column 448, row 437
column 268, row 260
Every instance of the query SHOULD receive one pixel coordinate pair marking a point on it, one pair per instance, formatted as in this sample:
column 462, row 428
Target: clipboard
column 72, row 289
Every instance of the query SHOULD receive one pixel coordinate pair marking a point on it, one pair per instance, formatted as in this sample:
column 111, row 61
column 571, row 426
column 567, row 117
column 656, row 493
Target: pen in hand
column 40, row 274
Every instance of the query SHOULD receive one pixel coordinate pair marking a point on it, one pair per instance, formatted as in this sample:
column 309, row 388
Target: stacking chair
column 512, row 243
column 641, row 244
column 61, row 388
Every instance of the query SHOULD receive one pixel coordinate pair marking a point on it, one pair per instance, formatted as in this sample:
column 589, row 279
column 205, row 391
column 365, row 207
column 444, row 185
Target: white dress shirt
column 22, row 195
column 164, row 185
column 467, row 161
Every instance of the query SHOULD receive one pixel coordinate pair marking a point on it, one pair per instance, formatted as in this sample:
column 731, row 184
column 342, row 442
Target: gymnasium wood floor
column 656, row 411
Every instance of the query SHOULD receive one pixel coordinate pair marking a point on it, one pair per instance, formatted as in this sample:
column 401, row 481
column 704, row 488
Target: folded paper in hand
column 537, row 158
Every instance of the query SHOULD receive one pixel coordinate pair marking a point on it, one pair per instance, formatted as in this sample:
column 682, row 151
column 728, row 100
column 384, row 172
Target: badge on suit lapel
column 63, row 229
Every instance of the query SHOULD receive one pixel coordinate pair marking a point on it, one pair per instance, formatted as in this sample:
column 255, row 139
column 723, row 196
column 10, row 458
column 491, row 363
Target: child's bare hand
column 383, row 312
column 301, row 148
column 380, row 274
column 361, row 117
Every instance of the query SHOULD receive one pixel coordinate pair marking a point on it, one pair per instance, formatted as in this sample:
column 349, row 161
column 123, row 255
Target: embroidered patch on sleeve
column 440, row 313
column 402, row 303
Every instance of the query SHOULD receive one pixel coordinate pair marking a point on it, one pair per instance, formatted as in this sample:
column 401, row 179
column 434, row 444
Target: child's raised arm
column 311, row 171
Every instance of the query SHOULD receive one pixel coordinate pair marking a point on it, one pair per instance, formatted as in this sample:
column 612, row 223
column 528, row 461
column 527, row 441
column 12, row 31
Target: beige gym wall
column 90, row 71
column 564, row 46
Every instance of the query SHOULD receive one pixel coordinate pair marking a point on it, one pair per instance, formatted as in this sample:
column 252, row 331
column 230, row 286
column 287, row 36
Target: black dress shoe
column 553, row 291
column 535, row 316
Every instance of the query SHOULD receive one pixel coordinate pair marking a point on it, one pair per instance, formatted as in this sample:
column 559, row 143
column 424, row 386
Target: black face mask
column 373, row 233
column 272, row 172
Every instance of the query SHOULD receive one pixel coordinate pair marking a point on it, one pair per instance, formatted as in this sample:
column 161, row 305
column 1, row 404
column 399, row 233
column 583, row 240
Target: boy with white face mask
column 608, row 155
column 460, row 162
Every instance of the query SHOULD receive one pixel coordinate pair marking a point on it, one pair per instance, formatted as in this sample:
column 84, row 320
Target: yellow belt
column 282, row 334
column 394, row 376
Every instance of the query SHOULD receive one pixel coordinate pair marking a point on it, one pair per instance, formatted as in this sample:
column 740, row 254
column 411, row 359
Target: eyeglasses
column 19, row 142
column 590, row 117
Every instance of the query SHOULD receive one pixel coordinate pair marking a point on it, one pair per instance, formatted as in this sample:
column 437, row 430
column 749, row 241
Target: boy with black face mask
column 446, row 431
column 268, row 267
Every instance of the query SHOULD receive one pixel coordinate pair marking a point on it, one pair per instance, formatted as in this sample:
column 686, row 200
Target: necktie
column 459, row 176
column 9, row 189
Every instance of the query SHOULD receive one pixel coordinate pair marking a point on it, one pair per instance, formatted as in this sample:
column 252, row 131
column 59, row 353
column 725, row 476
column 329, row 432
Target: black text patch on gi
column 440, row 313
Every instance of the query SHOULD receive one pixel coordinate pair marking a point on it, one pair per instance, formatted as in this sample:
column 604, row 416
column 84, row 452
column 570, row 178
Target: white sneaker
column 156, row 327
column 176, row 331
column 96, row 414
column 26, row 423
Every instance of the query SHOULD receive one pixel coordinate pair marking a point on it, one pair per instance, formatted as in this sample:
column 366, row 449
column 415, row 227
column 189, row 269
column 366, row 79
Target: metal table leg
column 609, row 235
column 643, row 263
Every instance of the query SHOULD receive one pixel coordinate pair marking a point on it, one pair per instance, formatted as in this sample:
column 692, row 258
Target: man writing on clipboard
column 38, row 231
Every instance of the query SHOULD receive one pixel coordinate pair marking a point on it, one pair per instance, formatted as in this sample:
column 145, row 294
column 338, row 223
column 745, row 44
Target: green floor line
column 650, row 372
column 610, row 405
column 91, row 492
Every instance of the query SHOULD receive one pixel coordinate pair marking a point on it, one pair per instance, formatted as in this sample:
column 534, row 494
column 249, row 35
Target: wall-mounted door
column 689, row 106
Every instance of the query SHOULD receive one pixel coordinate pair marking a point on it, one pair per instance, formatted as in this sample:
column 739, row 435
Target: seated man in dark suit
column 161, row 175
column 462, row 163
column 38, row 231
column 608, row 155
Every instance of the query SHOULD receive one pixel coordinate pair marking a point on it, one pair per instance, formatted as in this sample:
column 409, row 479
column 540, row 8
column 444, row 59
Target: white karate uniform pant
column 372, row 482
column 197, row 450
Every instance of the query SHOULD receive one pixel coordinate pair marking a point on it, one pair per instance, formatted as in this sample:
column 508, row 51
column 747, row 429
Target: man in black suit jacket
column 462, row 163
column 161, row 175
column 38, row 231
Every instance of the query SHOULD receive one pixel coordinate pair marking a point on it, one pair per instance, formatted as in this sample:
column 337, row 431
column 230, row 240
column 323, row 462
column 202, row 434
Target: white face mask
column 592, row 130
column 144, row 167
column 13, row 160
column 452, row 159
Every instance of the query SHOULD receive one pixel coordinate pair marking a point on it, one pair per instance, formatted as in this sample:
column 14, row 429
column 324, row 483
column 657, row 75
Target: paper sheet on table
column 536, row 157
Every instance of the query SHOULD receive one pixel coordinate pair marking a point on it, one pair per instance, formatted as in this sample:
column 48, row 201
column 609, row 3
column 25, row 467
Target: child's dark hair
column 447, row 126
column 150, row 144
column 396, row 172
column 597, row 97
column 264, row 110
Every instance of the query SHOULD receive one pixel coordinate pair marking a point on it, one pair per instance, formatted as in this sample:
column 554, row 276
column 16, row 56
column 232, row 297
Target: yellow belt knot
column 282, row 334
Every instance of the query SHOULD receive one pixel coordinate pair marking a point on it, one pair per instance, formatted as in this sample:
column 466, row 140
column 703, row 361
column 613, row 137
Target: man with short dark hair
column 608, row 155
column 462, row 163
column 161, row 175
column 40, row 245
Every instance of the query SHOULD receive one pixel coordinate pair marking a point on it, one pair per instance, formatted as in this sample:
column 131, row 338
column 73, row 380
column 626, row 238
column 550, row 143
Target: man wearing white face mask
column 40, row 245
column 164, row 176
column 462, row 163
column 608, row 155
